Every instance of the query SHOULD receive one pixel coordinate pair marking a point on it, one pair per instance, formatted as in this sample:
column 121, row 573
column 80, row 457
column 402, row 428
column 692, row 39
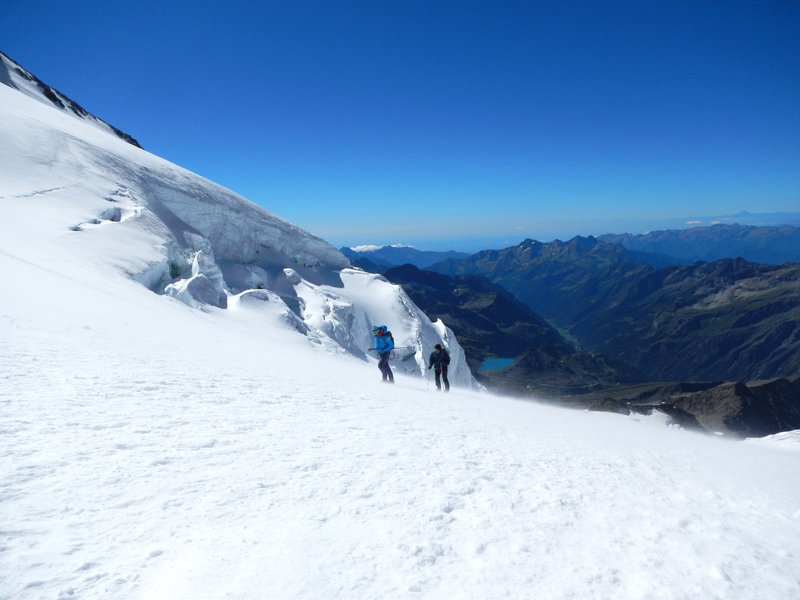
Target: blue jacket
column 383, row 344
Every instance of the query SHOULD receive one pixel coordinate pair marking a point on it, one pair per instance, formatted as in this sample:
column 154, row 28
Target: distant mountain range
column 540, row 361
column 765, row 244
column 558, row 280
column 645, row 301
column 729, row 319
column 390, row 256
column 492, row 324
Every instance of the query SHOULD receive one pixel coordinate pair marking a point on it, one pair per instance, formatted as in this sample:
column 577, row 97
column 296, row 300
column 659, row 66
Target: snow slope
column 184, row 236
column 158, row 446
column 787, row 440
column 15, row 76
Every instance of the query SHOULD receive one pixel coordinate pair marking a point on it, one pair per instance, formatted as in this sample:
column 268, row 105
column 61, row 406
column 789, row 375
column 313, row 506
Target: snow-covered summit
column 373, row 248
column 132, row 214
column 15, row 76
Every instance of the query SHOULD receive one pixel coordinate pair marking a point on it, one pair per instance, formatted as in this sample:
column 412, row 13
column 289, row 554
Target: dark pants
column 442, row 371
column 383, row 365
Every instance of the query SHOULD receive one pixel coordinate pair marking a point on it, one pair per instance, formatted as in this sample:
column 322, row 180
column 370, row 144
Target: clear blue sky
column 434, row 123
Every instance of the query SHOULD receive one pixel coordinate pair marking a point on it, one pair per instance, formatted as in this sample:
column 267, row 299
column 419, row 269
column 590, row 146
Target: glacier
column 190, row 239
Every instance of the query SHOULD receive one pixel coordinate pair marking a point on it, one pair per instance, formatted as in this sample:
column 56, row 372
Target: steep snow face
column 127, row 212
column 15, row 76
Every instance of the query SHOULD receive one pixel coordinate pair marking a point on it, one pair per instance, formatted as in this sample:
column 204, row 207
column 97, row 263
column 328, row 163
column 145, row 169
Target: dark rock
column 56, row 98
column 740, row 409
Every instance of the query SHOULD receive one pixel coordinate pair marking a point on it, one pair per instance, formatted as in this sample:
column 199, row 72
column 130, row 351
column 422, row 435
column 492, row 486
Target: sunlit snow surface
column 787, row 440
column 15, row 76
column 155, row 450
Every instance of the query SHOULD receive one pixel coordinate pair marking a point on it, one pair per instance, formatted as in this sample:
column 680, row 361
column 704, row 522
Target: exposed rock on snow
column 14, row 76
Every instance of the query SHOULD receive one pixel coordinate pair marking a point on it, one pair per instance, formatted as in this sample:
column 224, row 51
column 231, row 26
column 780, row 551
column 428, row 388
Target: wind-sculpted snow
column 237, row 230
column 347, row 313
column 187, row 238
column 787, row 440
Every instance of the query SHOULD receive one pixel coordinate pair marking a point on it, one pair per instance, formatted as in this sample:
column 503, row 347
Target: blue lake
column 495, row 364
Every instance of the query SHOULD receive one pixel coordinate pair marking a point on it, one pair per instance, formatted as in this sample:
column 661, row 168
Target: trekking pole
column 427, row 380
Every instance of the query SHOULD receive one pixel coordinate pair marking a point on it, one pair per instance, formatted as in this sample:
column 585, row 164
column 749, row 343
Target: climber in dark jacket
column 440, row 358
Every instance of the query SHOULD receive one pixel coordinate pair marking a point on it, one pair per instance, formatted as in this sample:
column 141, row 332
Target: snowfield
column 231, row 439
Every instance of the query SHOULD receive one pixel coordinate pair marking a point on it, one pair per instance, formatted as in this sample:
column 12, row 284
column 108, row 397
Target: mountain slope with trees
column 490, row 322
column 392, row 256
column 775, row 245
column 729, row 319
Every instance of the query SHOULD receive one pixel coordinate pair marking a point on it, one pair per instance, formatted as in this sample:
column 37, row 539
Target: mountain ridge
column 391, row 256
column 680, row 322
column 17, row 77
column 773, row 244
column 491, row 323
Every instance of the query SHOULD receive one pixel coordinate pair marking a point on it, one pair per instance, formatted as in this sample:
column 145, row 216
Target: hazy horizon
column 566, row 231
column 427, row 123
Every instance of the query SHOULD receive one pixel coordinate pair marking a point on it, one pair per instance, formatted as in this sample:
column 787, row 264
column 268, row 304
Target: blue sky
column 446, row 124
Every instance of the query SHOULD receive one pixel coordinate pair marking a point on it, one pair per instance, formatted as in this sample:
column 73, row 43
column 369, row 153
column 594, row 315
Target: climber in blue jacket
column 383, row 344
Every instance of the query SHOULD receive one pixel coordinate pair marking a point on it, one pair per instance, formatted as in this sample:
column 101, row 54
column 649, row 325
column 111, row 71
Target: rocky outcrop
column 750, row 410
column 736, row 408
